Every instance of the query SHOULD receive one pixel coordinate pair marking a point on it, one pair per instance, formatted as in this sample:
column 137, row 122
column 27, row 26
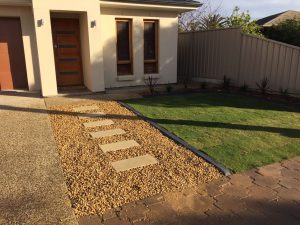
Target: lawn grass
column 239, row 131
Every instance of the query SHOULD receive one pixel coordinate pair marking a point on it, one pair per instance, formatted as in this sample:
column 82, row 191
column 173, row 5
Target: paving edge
column 178, row 140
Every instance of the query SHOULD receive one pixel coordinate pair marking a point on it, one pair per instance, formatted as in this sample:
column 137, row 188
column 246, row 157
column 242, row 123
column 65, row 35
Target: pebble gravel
column 94, row 186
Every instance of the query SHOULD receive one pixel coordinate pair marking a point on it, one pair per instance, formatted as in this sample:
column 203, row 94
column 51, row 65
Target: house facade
column 47, row 44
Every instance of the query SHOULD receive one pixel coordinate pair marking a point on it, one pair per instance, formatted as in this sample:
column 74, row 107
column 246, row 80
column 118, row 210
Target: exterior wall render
column 94, row 77
column 167, row 46
column 98, row 43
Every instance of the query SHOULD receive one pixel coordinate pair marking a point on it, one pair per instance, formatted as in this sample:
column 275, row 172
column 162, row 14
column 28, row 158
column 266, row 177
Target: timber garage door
column 12, row 60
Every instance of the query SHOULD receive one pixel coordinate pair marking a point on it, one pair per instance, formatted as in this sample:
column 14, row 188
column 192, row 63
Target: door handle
column 55, row 46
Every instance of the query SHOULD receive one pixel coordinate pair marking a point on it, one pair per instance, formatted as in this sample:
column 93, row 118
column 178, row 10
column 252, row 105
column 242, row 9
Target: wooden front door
column 12, row 59
column 67, row 51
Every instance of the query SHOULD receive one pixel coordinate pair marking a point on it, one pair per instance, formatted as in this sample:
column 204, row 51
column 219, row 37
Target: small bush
column 264, row 85
column 186, row 80
column 284, row 92
column 226, row 83
column 151, row 83
column 203, row 85
column 244, row 87
column 169, row 88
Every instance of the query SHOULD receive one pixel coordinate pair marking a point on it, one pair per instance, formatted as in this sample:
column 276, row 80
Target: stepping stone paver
column 91, row 115
column 118, row 146
column 135, row 162
column 85, row 108
column 98, row 123
column 107, row 133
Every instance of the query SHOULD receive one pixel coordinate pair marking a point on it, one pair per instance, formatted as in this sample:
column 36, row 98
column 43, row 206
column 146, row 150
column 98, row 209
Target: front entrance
column 67, row 51
column 12, row 59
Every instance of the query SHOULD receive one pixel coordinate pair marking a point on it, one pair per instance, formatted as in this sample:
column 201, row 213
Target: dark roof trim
column 184, row 3
column 267, row 19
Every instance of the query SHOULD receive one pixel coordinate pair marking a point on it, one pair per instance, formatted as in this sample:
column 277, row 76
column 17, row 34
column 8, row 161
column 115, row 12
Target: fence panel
column 241, row 57
column 207, row 56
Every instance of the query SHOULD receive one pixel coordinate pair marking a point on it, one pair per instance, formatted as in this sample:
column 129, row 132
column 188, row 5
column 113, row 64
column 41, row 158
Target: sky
column 258, row 8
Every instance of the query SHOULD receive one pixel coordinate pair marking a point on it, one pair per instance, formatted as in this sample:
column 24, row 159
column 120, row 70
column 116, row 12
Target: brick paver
column 267, row 195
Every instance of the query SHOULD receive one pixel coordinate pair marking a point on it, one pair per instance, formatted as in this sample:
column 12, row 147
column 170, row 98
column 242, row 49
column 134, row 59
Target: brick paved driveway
column 267, row 195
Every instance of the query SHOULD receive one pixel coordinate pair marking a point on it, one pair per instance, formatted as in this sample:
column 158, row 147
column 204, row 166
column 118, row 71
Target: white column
column 95, row 81
column 45, row 51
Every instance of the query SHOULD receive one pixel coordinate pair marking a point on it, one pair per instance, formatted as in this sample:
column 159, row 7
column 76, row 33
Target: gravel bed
column 94, row 186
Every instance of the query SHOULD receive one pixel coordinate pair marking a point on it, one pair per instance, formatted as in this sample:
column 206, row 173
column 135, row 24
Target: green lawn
column 240, row 132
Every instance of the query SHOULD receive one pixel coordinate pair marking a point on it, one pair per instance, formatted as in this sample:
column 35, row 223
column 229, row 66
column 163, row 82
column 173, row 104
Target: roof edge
column 194, row 4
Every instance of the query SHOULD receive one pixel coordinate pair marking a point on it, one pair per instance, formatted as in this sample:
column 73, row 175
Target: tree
column 191, row 21
column 287, row 31
column 211, row 21
column 244, row 21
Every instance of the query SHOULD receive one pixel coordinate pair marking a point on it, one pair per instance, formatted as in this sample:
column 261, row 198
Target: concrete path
column 32, row 187
column 267, row 196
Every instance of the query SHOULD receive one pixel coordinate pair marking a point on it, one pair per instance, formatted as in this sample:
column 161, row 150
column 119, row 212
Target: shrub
column 264, row 85
column 244, row 87
column 226, row 83
column 284, row 92
column 169, row 88
column 203, row 85
column 151, row 82
column 244, row 21
column 287, row 31
column 185, row 80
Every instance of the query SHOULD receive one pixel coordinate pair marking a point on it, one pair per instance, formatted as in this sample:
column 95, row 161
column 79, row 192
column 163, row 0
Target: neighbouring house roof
column 187, row 3
column 277, row 18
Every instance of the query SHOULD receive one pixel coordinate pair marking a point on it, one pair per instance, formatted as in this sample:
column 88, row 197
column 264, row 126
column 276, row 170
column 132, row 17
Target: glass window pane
column 123, row 40
column 149, row 41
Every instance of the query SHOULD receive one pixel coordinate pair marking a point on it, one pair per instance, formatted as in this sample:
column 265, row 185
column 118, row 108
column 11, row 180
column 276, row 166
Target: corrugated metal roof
column 187, row 3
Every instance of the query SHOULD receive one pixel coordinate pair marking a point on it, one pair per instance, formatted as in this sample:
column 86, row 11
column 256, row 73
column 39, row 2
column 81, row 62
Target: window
column 150, row 46
column 124, row 47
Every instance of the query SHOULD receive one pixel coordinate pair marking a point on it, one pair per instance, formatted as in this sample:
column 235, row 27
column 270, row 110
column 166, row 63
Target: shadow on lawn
column 289, row 132
column 209, row 100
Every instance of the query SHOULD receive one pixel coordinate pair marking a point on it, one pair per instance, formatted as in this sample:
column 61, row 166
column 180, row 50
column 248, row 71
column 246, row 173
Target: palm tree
column 212, row 21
